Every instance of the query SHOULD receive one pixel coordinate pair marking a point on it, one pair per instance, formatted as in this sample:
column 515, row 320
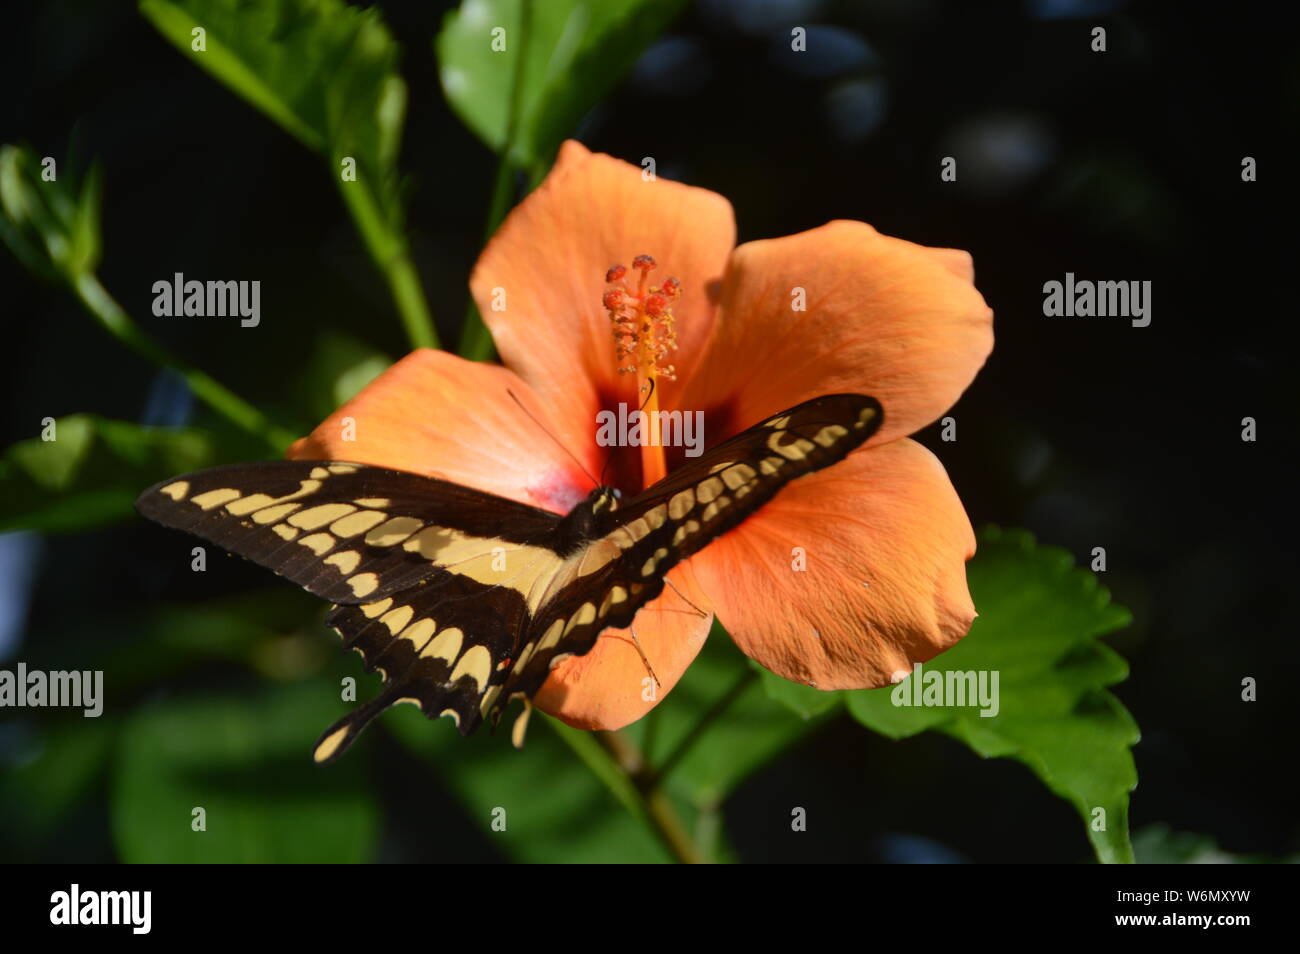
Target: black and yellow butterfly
column 464, row 600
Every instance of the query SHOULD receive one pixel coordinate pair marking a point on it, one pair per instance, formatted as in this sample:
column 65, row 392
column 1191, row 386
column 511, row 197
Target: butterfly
column 464, row 600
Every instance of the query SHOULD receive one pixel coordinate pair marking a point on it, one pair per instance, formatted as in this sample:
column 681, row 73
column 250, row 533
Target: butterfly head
column 604, row 500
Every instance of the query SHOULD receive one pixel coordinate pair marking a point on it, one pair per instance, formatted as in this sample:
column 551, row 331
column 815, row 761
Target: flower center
column 642, row 320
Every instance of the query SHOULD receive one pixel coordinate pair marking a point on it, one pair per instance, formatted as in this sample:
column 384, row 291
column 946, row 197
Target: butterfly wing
column 351, row 533
column 433, row 581
column 623, row 570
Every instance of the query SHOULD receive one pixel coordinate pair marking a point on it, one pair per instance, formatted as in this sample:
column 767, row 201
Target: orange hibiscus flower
column 850, row 574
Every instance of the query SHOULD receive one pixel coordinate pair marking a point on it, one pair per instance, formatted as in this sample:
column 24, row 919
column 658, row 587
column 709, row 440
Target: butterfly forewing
column 347, row 532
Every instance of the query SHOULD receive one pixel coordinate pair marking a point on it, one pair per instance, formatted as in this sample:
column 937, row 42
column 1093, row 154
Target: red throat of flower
column 644, row 337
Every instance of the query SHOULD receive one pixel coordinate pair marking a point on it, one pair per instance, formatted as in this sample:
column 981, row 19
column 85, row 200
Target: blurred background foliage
column 1120, row 165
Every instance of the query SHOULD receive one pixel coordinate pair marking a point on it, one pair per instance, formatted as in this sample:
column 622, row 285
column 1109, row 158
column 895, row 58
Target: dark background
column 1123, row 165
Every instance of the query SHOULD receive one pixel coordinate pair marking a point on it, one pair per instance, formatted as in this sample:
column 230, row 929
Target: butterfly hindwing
column 442, row 645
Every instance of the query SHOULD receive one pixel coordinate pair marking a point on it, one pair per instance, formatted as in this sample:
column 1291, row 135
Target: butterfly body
column 464, row 600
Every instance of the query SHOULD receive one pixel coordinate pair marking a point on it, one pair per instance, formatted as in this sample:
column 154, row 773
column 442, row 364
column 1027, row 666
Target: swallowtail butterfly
column 464, row 600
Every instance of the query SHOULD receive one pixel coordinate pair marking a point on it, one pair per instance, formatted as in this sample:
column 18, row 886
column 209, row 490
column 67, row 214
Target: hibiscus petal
column 884, row 317
column 885, row 541
column 606, row 689
column 549, row 260
column 436, row 414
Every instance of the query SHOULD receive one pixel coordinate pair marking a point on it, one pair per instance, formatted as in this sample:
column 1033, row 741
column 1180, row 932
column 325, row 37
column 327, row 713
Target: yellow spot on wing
column 380, row 502
column 419, row 632
column 553, row 634
column 177, row 490
column 681, row 504
column 215, row 498
column 446, row 646
column 284, row 531
column 314, row 517
column 318, row 543
column 275, row 514
column 739, row 475
column 476, row 663
column 364, row 584
column 329, row 745
column 708, row 489
column 396, row 619
column 375, row 609
column 685, row 530
column 829, row 434
column 393, row 532
column 358, row 522
column 586, row 614
column 345, row 560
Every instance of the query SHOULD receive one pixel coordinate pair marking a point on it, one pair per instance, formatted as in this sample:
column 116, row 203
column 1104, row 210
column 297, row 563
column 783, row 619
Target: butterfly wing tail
column 335, row 740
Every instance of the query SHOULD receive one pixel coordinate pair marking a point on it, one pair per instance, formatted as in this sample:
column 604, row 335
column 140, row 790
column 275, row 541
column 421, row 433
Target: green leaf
column 52, row 226
column 553, row 808
column 561, row 57
column 323, row 70
column 1037, row 630
column 91, row 472
column 245, row 760
column 746, row 734
column 54, row 775
column 339, row 367
column 1160, row 845
column 804, row 701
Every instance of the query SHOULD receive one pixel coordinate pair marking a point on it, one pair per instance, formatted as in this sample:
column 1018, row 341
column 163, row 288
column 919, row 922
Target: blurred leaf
column 277, row 630
column 246, row 760
column 92, row 472
column 58, row 773
column 573, row 53
column 752, row 729
column 555, row 809
column 51, row 226
column 1038, row 626
column 323, row 70
column 1159, row 845
column 339, row 367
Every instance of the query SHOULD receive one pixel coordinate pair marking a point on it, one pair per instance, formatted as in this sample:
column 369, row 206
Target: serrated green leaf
column 91, row 473
column 244, row 759
column 1037, row 629
column 571, row 52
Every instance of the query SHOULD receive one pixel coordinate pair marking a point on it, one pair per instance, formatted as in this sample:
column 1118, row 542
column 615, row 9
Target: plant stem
column 475, row 339
column 618, row 764
column 391, row 256
column 114, row 319
column 711, row 715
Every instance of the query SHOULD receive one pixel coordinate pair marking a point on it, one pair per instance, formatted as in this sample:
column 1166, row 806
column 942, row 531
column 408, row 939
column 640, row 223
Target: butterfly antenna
column 572, row 457
column 641, row 652
column 701, row 612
